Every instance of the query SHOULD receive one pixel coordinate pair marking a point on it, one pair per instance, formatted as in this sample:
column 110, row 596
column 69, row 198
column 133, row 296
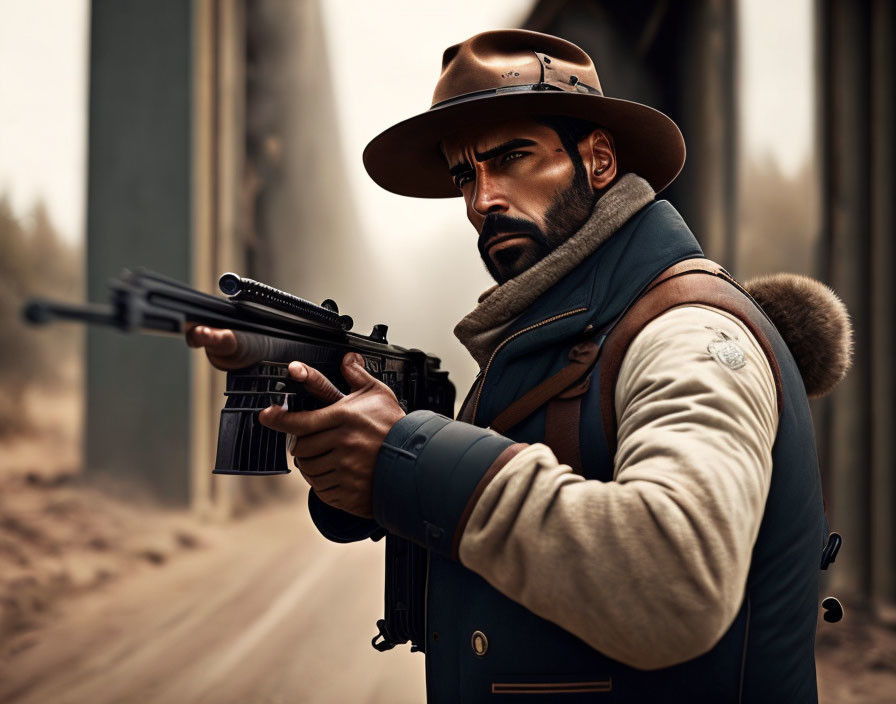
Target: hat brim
column 406, row 158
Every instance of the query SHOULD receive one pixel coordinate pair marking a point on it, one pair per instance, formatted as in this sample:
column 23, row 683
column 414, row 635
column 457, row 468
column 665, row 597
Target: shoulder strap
column 691, row 282
column 582, row 358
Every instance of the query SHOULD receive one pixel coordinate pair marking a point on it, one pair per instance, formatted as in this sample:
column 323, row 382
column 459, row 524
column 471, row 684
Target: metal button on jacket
column 479, row 643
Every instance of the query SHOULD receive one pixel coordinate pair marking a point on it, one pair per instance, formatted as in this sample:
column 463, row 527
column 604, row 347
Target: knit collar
column 481, row 330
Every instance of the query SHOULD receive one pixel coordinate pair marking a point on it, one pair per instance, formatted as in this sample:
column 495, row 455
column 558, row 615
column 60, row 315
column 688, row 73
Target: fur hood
column 813, row 322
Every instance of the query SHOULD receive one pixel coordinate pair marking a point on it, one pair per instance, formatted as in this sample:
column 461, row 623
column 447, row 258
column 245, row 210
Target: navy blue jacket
column 431, row 470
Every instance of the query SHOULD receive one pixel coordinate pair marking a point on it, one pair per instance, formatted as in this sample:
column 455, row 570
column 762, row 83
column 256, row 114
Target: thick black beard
column 496, row 224
column 570, row 210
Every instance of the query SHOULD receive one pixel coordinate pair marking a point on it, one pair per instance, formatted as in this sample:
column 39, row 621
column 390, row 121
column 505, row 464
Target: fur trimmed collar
column 481, row 330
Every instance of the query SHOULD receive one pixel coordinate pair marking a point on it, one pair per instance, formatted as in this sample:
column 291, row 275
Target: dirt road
column 269, row 614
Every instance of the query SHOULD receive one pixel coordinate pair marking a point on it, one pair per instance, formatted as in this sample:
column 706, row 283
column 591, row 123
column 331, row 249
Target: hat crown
column 513, row 57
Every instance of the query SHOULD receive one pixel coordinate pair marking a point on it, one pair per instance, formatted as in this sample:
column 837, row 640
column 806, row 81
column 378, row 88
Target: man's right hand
column 222, row 347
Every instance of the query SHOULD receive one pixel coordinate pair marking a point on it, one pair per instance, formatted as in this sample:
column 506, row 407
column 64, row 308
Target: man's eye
column 510, row 156
column 462, row 179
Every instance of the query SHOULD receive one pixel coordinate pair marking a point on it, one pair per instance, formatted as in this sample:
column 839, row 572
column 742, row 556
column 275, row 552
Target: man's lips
column 500, row 239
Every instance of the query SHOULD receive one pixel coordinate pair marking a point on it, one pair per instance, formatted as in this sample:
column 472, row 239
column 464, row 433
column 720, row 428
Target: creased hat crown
column 506, row 58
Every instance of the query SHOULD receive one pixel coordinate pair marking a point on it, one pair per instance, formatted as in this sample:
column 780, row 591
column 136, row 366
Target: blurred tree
column 34, row 261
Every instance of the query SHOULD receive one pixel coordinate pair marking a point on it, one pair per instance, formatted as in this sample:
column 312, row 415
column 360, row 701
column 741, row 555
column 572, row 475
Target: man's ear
column 599, row 156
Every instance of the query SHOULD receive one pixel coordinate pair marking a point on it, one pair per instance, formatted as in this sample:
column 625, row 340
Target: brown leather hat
column 507, row 74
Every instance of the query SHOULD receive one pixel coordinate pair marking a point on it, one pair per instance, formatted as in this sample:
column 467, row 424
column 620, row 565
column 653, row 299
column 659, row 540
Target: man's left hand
column 335, row 448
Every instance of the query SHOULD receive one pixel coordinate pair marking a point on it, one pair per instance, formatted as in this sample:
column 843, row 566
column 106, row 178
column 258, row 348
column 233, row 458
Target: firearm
column 145, row 302
column 142, row 301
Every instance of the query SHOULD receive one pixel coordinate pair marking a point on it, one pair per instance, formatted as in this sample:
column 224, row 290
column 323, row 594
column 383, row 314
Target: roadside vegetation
column 35, row 261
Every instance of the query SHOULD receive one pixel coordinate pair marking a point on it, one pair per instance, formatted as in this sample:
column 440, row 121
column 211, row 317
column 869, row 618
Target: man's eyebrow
column 505, row 147
column 491, row 154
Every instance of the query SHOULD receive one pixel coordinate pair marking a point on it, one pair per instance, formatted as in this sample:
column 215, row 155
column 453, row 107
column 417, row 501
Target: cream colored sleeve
column 650, row 568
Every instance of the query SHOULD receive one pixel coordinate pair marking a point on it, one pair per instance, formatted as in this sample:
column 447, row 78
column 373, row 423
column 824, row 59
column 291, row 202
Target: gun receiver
column 146, row 302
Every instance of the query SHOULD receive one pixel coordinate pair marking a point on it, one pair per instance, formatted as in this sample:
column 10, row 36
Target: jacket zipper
column 509, row 339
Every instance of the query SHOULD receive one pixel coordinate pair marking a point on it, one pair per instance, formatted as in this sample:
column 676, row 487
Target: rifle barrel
column 40, row 311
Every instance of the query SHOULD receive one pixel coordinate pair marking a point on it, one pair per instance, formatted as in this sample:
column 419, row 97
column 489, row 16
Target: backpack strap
column 561, row 428
column 582, row 358
column 691, row 282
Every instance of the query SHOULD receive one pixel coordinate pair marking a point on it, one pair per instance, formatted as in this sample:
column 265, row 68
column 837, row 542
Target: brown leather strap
column 690, row 266
column 561, row 431
column 692, row 282
column 582, row 359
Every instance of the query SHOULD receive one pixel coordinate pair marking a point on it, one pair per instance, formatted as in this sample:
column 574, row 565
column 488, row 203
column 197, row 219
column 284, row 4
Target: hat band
column 530, row 87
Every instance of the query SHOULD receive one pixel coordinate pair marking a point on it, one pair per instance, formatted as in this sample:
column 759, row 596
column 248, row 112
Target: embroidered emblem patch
column 726, row 351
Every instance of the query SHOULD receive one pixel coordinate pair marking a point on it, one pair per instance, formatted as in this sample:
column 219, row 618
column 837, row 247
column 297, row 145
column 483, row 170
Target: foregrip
column 247, row 447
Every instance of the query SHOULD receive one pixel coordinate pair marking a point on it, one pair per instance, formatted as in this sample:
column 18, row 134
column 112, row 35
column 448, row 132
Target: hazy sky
column 43, row 84
column 405, row 39
column 43, row 120
column 777, row 79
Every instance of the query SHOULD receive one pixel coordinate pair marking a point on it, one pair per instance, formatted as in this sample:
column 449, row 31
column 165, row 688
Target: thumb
column 354, row 372
column 314, row 382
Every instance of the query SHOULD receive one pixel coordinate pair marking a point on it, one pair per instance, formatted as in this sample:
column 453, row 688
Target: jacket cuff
column 429, row 474
column 341, row 526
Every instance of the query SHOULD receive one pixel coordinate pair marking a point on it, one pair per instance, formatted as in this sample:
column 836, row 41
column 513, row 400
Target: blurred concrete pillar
column 165, row 167
column 681, row 58
column 219, row 228
column 707, row 111
column 856, row 77
column 883, row 306
column 139, row 214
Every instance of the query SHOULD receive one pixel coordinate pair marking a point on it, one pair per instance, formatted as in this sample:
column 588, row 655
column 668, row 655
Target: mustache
column 498, row 224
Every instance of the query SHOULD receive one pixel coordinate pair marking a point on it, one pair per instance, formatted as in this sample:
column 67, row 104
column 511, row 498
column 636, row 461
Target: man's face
column 524, row 194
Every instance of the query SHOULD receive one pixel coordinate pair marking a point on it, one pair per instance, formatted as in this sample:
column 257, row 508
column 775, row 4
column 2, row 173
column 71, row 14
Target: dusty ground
column 260, row 610
column 60, row 537
column 856, row 660
column 266, row 612
column 104, row 600
column 110, row 600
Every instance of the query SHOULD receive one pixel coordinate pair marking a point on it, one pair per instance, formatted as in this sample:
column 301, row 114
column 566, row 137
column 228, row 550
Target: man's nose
column 488, row 195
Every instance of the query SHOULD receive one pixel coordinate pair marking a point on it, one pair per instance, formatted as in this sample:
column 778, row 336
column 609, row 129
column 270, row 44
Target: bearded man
column 628, row 508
